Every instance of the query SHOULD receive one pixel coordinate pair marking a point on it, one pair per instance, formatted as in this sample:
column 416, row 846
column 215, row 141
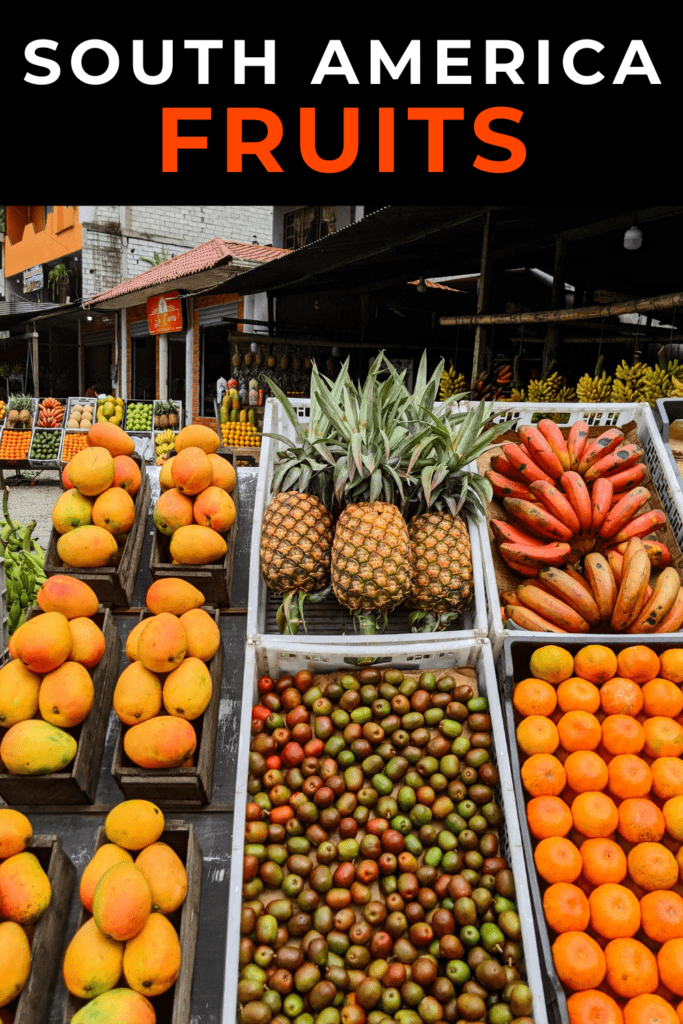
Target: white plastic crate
column 269, row 657
column 328, row 621
column 607, row 415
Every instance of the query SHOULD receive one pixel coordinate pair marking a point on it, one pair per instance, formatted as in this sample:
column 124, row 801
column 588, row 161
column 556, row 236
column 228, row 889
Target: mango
column 88, row 547
column 187, row 689
column 151, row 961
column 25, row 889
column 72, row 509
column 165, row 478
column 92, row 963
column 114, row 511
column 66, row 483
column 122, row 902
column 163, row 742
column 203, row 635
column 134, row 824
column 165, row 874
column 43, row 642
column 132, row 640
column 104, row 858
column 117, row 1006
column 224, row 474
column 196, row 545
column 127, row 474
column 172, row 510
column 68, row 595
column 15, row 957
column 214, row 508
column 91, row 470
column 137, row 695
column 197, row 436
column 172, row 595
column 113, row 438
column 18, row 693
column 66, row 695
column 15, row 832
column 36, row 748
column 88, row 642
column 191, row 471
column 162, row 643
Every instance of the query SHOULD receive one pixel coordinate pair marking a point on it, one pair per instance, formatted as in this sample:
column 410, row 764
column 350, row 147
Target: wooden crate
column 215, row 579
column 172, row 1007
column 78, row 783
column 32, row 1005
column 113, row 584
column 178, row 787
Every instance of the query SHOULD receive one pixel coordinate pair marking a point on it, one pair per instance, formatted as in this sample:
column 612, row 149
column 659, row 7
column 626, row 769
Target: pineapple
column 20, row 410
column 443, row 581
column 296, row 542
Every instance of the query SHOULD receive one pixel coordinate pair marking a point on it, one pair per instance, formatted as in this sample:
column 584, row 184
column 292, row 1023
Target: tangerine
column 661, row 915
column 579, row 961
column 671, row 665
column 534, row 697
column 585, row 771
column 631, row 968
column 579, row 730
column 614, row 911
column 662, row 697
column 649, row 1009
column 673, row 818
column 595, row 815
column 543, row 775
column 638, row 663
column 670, row 963
column 652, row 866
column 557, row 860
column 667, row 777
column 548, row 816
column 621, row 734
column 593, row 1007
column 663, row 737
column 621, row 696
column 537, row 735
column 578, row 694
column 603, row 861
column 565, row 908
column 595, row 663
column 640, row 821
column 629, row 775
column 552, row 663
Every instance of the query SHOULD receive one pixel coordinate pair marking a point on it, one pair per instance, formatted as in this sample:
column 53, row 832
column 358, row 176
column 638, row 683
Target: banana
column 556, row 503
column 555, row 438
column 527, row 619
column 641, row 526
column 664, row 593
column 632, row 592
column 576, row 443
column 579, row 498
column 624, row 511
column 552, row 609
column 601, row 446
column 538, row 556
column 601, row 504
column 673, row 620
column 602, row 583
column 536, row 519
column 620, row 458
column 573, row 593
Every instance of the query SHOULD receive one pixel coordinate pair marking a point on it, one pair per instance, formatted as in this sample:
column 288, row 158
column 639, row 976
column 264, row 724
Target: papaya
column 91, row 470
column 114, row 511
column 191, row 471
column 35, row 747
column 151, row 960
column 214, row 508
column 117, row 1006
column 224, row 474
column 88, row 642
column 132, row 640
column 173, row 595
column 88, row 547
column 25, row 889
column 18, row 693
column 113, row 438
column 122, row 902
column 66, row 695
column 104, row 858
column 92, row 963
column 72, row 509
column 134, row 824
column 15, row 832
column 197, row 545
column 68, row 595
column 15, row 957
column 162, row 643
column 43, row 642
column 187, row 689
column 137, row 695
column 165, row 874
column 172, row 510
column 197, row 436
column 203, row 635
column 163, row 742
column 127, row 474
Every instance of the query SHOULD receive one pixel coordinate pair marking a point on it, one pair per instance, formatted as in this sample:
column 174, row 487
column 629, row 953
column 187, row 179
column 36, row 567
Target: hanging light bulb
column 633, row 238
column 421, row 286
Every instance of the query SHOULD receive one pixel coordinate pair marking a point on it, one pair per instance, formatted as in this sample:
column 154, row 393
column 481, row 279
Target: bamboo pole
column 644, row 306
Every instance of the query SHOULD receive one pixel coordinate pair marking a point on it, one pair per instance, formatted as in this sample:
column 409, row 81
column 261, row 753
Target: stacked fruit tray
column 46, row 445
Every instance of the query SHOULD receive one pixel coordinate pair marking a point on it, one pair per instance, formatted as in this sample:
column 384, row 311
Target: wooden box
column 113, row 584
column 172, row 1007
column 32, row 1005
column 78, row 783
column 179, row 787
column 214, row 580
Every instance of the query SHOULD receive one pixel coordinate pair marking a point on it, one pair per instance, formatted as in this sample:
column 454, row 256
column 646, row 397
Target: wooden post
column 483, row 293
column 36, row 372
column 557, row 300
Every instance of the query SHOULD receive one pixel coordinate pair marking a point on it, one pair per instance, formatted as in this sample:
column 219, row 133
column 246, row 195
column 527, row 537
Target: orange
column 595, row 663
column 537, row 735
column 586, row 771
column 670, row 963
column 578, row 694
column 631, row 968
column 673, row 817
column 620, row 697
column 629, row 775
column 662, row 697
column 534, row 697
column 603, row 861
column 579, row 961
column 663, row 737
column 671, row 665
column 551, row 663
column 595, row 815
column 661, row 915
column 667, row 777
column 593, row 1007
column 621, row 734
column 652, row 866
column 548, row 816
column 543, row 775
column 557, row 860
column 565, row 908
column 614, row 910
column 649, row 1009
column 638, row 663
column 679, row 1011
column 640, row 821
column 579, row 730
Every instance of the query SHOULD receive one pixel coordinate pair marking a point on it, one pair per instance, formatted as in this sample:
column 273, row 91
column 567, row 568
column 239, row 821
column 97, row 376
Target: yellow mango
column 122, row 902
column 137, row 695
column 197, row 545
column 43, row 642
column 68, row 595
column 91, row 470
column 203, row 635
column 66, row 695
column 15, row 832
column 197, row 436
column 162, row 742
column 114, row 511
column 92, row 963
column 151, row 960
column 88, row 642
column 172, row 595
column 187, row 690
column 25, row 889
column 162, row 643
column 134, row 824
column 132, row 641
column 15, row 958
column 87, row 547
column 35, row 747
column 165, row 477
column 103, row 859
column 165, row 874
column 18, row 693
column 117, row 1006
column 72, row 509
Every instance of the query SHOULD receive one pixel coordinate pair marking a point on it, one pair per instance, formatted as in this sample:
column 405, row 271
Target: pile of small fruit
column 15, row 444
column 47, row 688
column 25, row 894
column 73, row 443
column 80, row 416
column 164, row 444
column 129, row 935
column 2, row 408
column 168, row 654
column 110, row 409
column 373, row 881
column 45, row 444
column 600, row 739
column 138, row 416
column 50, row 413
column 240, row 435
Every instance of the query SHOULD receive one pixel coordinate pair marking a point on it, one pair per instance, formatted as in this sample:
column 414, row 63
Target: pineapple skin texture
column 442, row 577
column 371, row 557
column 296, row 543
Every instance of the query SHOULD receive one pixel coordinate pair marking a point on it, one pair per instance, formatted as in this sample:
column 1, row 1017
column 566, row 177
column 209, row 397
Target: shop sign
column 164, row 313
column 33, row 279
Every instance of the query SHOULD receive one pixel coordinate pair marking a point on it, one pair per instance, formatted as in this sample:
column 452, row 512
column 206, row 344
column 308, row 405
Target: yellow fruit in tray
column 122, row 902
column 88, row 547
column 165, row 478
column 89, row 644
column 118, row 1004
column 66, row 695
column 43, row 642
column 203, row 635
column 134, row 824
column 151, row 961
column 165, row 874
column 197, row 436
column 191, row 471
column 197, row 545
column 173, row 595
column 71, row 510
column 111, row 437
column 162, row 742
column 18, row 695
column 35, row 747
column 114, row 511
column 25, row 889
column 104, row 858
column 92, row 963
column 15, row 957
column 66, row 594
column 172, row 510
column 137, row 696
column 214, row 508
column 127, row 474
column 162, row 643
column 132, row 640
column 91, row 470
column 223, row 472
column 15, row 832
column 187, row 690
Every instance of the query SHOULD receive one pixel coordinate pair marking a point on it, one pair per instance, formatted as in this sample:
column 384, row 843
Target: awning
column 20, row 312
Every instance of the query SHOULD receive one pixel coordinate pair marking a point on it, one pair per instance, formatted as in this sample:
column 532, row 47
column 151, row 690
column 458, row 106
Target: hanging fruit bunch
column 50, row 413
column 451, row 383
